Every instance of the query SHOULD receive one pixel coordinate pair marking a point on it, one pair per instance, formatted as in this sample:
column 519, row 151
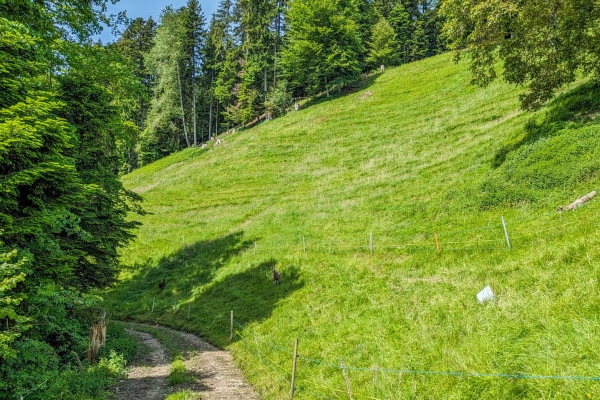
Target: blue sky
column 150, row 8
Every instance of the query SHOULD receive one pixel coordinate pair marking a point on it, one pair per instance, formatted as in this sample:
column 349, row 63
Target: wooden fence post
column 153, row 301
column 437, row 243
column 294, row 368
column 346, row 379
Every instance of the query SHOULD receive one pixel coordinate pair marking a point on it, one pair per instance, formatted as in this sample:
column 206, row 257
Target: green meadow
column 346, row 198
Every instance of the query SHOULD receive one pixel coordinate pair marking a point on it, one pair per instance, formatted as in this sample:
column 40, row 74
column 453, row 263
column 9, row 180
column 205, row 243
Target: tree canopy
column 540, row 45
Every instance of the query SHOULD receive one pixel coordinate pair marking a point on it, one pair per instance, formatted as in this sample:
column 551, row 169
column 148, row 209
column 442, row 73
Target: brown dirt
column 147, row 377
column 215, row 373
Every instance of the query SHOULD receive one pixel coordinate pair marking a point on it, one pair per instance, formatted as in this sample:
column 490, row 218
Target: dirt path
column 215, row 375
column 147, row 378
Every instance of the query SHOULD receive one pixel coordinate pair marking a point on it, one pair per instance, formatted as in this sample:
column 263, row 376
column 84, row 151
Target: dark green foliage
column 400, row 21
column 36, row 362
column 103, row 216
column 62, row 208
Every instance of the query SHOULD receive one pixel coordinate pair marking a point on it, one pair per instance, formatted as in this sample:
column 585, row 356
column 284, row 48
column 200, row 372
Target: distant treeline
column 254, row 57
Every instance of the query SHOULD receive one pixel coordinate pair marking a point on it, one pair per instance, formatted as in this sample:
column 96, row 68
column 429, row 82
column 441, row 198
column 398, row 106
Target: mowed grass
column 424, row 154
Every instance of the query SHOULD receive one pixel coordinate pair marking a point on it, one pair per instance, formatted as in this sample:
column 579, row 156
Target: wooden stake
column 294, row 368
column 189, row 309
column 231, row 332
column 347, row 379
column 506, row 233
column 437, row 243
column 153, row 301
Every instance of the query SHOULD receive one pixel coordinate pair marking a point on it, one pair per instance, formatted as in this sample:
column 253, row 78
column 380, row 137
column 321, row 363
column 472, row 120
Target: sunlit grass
column 416, row 158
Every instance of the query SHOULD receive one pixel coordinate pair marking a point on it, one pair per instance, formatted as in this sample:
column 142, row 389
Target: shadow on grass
column 192, row 299
column 578, row 106
column 183, row 271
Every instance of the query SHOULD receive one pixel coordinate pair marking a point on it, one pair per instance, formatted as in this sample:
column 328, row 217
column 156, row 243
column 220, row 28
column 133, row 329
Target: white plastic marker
column 485, row 294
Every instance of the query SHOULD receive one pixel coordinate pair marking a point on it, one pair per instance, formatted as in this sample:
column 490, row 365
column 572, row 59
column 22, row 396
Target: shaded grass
column 420, row 156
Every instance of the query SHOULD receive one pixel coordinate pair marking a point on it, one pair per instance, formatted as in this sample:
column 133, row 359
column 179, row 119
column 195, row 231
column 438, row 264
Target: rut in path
column 216, row 376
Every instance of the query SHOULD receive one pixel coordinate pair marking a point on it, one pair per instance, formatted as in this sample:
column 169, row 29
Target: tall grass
column 426, row 153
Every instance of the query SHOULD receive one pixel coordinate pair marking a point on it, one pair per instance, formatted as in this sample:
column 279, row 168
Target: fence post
column 189, row 309
column 506, row 233
column 304, row 243
column 346, row 379
column 371, row 242
column 294, row 368
column 437, row 243
column 153, row 301
column 231, row 331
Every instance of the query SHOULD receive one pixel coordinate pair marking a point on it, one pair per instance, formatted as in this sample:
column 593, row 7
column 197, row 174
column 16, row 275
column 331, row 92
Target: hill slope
column 413, row 153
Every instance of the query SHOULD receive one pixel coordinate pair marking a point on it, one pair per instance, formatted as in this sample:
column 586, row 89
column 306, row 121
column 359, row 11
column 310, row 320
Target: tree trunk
column 194, row 109
column 187, row 139
column 210, row 119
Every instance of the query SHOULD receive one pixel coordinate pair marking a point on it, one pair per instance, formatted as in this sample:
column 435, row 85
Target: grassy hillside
column 412, row 153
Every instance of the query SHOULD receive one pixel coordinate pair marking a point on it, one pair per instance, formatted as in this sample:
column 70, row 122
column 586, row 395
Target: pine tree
column 418, row 45
column 399, row 20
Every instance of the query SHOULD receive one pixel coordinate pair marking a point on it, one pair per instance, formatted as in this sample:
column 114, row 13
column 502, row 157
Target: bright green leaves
column 11, row 323
column 382, row 47
column 323, row 45
column 542, row 45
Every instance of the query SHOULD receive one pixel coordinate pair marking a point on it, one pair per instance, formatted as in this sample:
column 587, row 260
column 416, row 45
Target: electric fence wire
column 423, row 372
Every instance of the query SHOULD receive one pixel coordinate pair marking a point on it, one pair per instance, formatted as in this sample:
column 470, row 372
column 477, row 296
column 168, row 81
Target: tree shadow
column 195, row 297
column 251, row 295
column 579, row 106
column 183, row 271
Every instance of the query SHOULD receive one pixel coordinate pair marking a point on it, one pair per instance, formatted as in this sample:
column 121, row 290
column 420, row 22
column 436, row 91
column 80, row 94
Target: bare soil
column 216, row 377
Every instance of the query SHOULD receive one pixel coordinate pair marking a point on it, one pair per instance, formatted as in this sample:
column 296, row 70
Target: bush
column 119, row 341
column 36, row 362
